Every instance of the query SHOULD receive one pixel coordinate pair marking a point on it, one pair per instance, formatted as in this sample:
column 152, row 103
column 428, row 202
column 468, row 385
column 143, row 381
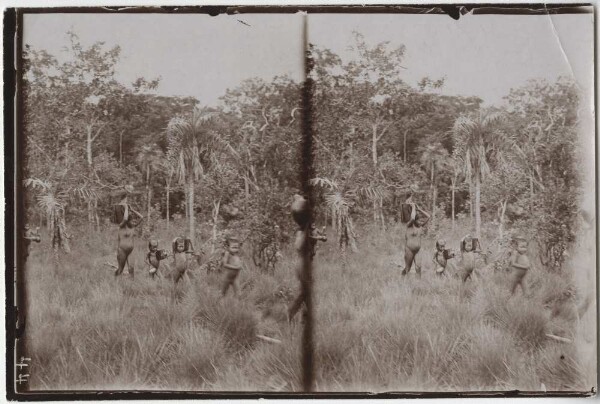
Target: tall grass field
column 375, row 331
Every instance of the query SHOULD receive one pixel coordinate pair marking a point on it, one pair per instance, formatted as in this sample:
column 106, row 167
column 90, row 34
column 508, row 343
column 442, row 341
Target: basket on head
column 162, row 254
column 406, row 212
column 189, row 247
column 118, row 213
column 232, row 239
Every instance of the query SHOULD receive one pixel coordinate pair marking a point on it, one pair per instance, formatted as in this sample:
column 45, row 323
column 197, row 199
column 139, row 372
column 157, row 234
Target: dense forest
column 234, row 167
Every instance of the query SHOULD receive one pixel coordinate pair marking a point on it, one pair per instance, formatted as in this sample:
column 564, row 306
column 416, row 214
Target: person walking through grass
column 441, row 257
column 520, row 265
column 312, row 236
column 126, row 242
column 232, row 263
column 414, row 233
column 468, row 258
column 180, row 263
column 306, row 233
column 154, row 257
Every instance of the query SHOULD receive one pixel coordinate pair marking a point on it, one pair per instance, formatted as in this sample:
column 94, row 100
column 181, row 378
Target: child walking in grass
column 520, row 264
column 232, row 263
column 153, row 257
column 441, row 257
column 467, row 263
column 180, row 262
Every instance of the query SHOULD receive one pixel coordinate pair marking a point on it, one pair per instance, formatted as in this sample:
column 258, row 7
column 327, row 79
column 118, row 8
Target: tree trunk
column 168, row 213
column 434, row 210
column 216, row 206
column 374, row 146
column 190, row 208
column 471, row 201
column 90, row 214
column 404, row 149
column 88, row 145
column 333, row 220
column 381, row 215
column 531, row 193
column 502, row 212
column 453, row 192
column 477, row 206
column 120, row 148
column 433, row 195
column 185, row 191
column 247, row 191
column 375, row 211
column 148, row 196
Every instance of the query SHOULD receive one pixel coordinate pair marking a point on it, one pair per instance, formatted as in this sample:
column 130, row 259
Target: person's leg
column 408, row 260
column 224, row 288
column 514, row 281
column 524, row 286
column 417, row 261
column 178, row 275
column 121, row 261
column 176, row 278
column 466, row 274
column 234, row 287
column 226, row 283
column 131, row 263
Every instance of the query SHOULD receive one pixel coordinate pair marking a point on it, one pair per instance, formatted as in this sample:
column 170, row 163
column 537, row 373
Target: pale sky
column 202, row 56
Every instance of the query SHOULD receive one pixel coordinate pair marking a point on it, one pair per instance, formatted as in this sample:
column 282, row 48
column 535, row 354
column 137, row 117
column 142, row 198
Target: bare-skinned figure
column 520, row 265
column 441, row 257
column 126, row 242
column 468, row 258
column 414, row 233
column 232, row 263
column 314, row 236
column 180, row 263
column 153, row 257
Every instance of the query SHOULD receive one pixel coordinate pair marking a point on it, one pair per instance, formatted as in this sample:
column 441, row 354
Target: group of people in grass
column 469, row 248
column 182, row 251
column 307, row 232
column 231, row 261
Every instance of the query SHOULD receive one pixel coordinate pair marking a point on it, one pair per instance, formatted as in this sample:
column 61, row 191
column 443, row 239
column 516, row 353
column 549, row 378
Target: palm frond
column 324, row 183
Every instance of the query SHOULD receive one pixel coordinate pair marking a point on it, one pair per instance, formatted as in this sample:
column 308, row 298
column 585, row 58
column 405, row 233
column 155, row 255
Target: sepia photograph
column 305, row 201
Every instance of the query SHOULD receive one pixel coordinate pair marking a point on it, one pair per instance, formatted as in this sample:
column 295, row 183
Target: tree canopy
column 377, row 141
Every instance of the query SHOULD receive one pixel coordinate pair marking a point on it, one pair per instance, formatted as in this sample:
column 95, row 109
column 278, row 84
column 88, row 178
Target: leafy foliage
column 378, row 140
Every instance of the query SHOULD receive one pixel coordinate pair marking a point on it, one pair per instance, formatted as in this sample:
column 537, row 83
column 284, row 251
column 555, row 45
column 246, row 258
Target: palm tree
column 339, row 203
column 149, row 160
column 478, row 141
column 456, row 166
column 192, row 142
column 434, row 157
column 53, row 202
